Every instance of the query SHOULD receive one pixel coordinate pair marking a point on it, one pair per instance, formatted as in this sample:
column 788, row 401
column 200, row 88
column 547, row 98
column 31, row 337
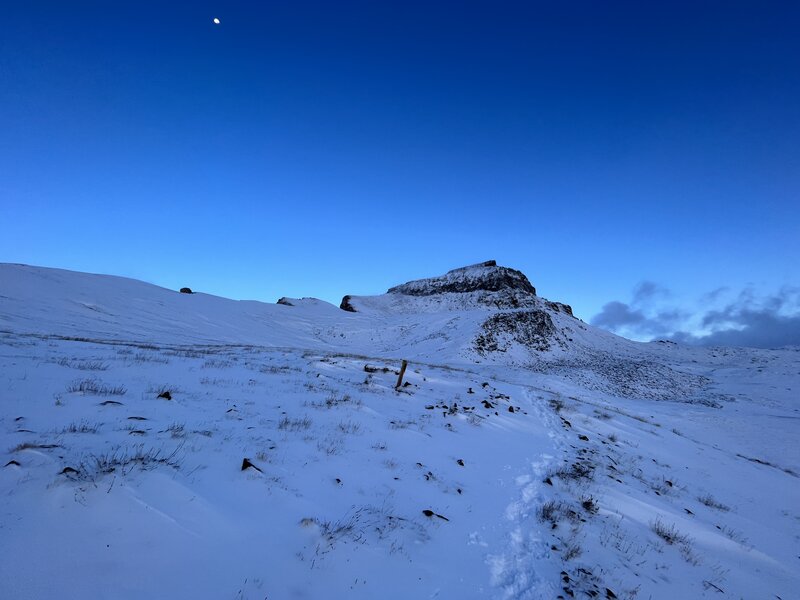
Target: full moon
column 216, row 21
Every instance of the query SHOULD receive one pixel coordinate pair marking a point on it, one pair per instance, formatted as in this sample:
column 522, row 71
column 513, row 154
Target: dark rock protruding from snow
column 346, row 305
column 483, row 277
column 533, row 329
column 559, row 307
column 186, row 290
column 285, row 301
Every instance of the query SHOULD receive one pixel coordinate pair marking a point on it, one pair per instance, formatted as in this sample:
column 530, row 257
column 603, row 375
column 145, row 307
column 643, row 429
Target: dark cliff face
column 533, row 329
column 483, row 277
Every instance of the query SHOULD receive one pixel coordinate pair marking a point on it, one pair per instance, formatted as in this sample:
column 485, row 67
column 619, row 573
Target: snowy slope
column 529, row 455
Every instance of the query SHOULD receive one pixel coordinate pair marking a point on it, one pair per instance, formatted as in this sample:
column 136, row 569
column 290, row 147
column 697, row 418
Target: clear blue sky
column 324, row 148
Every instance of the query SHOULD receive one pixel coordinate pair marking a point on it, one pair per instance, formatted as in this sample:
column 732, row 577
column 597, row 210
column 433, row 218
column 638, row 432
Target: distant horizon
column 760, row 326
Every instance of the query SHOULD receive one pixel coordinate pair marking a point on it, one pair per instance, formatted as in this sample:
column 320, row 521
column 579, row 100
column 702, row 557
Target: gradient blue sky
column 324, row 148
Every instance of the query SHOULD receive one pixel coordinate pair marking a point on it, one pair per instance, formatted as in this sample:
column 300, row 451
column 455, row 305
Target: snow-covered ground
column 528, row 455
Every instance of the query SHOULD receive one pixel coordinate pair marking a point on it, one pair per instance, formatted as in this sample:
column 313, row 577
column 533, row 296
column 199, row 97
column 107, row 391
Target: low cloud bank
column 771, row 321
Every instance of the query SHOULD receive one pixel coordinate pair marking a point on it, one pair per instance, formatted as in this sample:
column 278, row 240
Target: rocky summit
column 482, row 277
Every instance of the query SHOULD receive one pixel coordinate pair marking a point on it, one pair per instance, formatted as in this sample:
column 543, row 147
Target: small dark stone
column 165, row 395
column 469, row 391
column 68, row 471
column 246, row 464
column 511, row 409
column 610, row 595
column 430, row 513
column 583, row 438
column 186, row 290
column 460, row 462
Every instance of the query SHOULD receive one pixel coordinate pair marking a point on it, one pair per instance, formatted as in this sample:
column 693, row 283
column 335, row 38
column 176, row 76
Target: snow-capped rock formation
column 481, row 277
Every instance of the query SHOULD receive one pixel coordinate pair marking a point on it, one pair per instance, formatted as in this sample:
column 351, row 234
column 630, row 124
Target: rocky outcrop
column 533, row 329
column 483, row 277
column 346, row 305
column 559, row 307
column 482, row 285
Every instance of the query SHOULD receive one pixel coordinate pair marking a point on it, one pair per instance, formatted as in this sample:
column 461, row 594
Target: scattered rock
column 460, row 462
column 68, row 471
column 186, row 290
column 583, row 438
column 511, row 409
column 430, row 513
column 165, row 395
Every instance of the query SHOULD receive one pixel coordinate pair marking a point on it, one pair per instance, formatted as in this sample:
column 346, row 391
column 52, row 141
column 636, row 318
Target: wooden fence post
column 402, row 372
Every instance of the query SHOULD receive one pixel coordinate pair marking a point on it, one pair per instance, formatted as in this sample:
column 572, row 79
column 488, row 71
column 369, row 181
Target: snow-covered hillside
column 159, row 444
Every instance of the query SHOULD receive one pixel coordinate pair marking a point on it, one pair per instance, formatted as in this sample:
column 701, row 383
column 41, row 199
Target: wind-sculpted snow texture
column 167, row 445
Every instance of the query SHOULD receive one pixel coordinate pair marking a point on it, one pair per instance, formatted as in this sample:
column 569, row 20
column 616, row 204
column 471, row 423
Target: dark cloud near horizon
column 749, row 320
column 618, row 315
